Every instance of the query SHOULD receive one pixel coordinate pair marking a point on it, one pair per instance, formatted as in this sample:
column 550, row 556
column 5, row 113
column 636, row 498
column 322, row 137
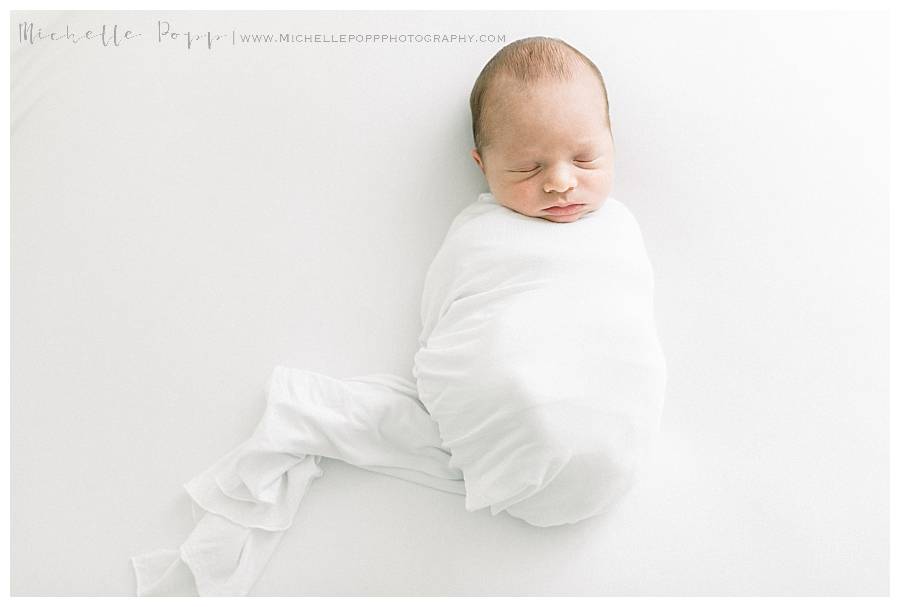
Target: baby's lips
column 567, row 210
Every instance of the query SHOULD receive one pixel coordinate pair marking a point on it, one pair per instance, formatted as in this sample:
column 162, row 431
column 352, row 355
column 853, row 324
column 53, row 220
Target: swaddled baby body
column 539, row 378
column 539, row 359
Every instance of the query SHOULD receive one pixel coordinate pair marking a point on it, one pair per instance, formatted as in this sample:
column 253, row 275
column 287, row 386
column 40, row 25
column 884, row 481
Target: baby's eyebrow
column 526, row 153
column 580, row 144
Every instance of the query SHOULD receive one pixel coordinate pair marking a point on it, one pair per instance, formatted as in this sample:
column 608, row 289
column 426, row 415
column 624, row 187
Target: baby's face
column 549, row 145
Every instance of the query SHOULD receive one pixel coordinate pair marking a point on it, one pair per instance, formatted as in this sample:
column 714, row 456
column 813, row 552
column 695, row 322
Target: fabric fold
column 243, row 504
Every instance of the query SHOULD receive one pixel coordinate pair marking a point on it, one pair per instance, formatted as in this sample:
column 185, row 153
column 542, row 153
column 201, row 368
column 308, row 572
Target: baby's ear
column 477, row 159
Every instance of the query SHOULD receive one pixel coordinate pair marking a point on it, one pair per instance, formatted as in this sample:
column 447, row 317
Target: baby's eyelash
column 536, row 168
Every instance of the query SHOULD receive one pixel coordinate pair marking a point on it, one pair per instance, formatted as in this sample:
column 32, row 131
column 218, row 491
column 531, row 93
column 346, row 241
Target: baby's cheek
column 523, row 191
column 519, row 194
column 603, row 175
column 601, row 182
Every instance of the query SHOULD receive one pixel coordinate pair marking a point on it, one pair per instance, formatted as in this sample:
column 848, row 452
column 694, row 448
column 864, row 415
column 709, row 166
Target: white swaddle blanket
column 539, row 385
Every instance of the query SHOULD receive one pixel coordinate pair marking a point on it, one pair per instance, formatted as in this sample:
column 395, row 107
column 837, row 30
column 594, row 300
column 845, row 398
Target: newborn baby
column 539, row 378
column 538, row 357
column 541, row 125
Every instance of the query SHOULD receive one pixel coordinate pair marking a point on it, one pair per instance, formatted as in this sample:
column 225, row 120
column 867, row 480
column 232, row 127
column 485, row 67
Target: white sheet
column 539, row 387
column 157, row 221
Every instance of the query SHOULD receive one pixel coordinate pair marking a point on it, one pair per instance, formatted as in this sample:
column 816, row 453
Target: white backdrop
column 185, row 219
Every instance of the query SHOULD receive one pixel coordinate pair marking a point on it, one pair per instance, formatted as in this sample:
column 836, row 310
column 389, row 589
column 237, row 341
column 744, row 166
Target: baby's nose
column 561, row 179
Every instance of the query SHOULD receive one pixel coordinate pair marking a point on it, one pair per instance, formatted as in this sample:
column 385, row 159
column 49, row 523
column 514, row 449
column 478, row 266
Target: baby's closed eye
column 535, row 168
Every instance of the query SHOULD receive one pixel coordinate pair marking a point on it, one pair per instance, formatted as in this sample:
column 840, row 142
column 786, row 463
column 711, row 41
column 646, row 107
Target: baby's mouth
column 567, row 209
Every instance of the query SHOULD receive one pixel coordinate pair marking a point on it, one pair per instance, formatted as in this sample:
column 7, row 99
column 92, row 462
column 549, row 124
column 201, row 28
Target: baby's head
column 540, row 118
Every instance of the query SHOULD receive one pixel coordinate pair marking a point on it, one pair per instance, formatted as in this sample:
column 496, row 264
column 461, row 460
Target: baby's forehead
column 511, row 94
column 507, row 90
column 577, row 109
